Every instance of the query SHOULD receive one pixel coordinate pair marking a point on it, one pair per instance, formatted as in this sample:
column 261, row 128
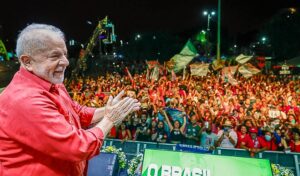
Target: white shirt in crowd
column 225, row 142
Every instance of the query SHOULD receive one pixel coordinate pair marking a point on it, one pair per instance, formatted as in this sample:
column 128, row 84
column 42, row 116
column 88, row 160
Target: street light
column 264, row 39
column 138, row 36
column 209, row 16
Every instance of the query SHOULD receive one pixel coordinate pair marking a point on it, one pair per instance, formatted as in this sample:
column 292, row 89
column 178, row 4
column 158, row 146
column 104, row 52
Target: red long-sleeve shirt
column 41, row 129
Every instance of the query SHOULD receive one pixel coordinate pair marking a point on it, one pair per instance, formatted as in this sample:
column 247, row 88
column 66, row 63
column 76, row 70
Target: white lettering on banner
column 197, row 172
column 152, row 167
column 176, row 171
column 186, row 172
column 206, row 172
column 167, row 170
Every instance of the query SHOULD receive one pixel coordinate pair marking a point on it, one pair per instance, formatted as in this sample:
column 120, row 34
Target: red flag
column 152, row 63
column 130, row 77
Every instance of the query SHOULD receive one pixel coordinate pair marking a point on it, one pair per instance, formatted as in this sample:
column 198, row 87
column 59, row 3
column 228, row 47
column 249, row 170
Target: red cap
column 253, row 130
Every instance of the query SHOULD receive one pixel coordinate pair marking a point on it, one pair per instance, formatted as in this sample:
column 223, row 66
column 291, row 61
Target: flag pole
column 183, row 74
column 219, row 31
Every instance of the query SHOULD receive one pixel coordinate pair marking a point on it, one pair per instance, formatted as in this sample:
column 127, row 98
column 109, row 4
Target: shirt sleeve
column 264, row 143
column 234, row 137
column 219, row 134
column 215, row 138
column 85, row 113
column 292, row 145
column 277, row 137
column 248, row 142
column 37, row 123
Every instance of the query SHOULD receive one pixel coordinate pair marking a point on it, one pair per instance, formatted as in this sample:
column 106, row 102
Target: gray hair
column 33, row 38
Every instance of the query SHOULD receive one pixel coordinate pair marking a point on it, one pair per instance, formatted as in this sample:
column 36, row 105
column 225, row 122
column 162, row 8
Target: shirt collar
column 45, row 84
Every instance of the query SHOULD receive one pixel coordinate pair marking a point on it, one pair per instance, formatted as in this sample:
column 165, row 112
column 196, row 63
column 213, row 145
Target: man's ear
column 26, row 62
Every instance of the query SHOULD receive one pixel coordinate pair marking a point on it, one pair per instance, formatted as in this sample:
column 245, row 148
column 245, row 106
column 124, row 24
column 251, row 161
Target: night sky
column 134, row 16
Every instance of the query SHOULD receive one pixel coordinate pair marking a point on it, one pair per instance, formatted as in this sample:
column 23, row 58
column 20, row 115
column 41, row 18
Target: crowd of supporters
column 259, row 113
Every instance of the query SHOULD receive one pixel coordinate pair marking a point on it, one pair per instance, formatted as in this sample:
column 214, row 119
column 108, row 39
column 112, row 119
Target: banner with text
column 170, row 163
column 198, row 69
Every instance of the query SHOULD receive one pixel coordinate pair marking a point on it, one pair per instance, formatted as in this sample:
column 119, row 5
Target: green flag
column 185, row 56
column 218, row 64
column 3, row 50
column 181, row 61
column 243, row 59
column 188, row 49
column 199, row 69
column 248, row 70
column 155, row 74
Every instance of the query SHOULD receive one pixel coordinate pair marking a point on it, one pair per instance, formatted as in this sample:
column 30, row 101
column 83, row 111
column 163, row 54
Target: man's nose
column 64, row 61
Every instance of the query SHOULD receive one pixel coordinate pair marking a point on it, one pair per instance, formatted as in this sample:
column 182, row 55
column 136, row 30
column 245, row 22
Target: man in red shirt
column 255, row 144
column 44, row 132
column 269, row 141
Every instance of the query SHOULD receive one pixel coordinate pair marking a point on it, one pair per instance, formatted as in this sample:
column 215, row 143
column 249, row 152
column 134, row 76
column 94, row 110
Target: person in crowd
column 248, row 122
column 112, row 133
column 227, row 137
column 43, row 131
column 132, row 123
column 261, row 101
column 256, row 144
column 281, row 139
column 295, row 142
column 193, row 132
column 243, row 136
column 160, row 134
column 153, row 129
column 124, row 133
column 269, row 139
column 143, row 132
column 208, row 139
column 177, row 134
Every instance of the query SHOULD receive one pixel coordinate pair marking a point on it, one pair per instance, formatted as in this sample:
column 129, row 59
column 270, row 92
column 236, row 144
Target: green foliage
column 281, row 171
column 121, row 155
